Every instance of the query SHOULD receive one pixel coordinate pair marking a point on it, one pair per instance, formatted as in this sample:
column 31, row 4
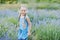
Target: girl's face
column 23, row 11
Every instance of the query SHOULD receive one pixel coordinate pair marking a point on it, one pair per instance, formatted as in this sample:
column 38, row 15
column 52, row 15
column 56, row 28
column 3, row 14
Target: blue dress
column 23, row 29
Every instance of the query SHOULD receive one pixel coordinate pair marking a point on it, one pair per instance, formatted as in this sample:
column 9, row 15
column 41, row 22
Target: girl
column 24, row 24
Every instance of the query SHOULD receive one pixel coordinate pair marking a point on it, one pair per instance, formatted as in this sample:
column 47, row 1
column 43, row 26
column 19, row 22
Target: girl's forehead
column 23, row 8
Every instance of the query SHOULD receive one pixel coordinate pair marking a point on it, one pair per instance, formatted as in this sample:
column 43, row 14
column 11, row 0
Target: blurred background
column 44, row 15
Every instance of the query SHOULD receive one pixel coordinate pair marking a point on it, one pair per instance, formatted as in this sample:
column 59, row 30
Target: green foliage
column 24, row 1
column 50, row 1
column 28, row 1
column 3, row 30
column 13, row 20
column 13, row 34
column 37, row 1
column 8, row 1
column 45, row 32
column 48, row 32
column 31, row 17
column 52, row 16
column 51, row 6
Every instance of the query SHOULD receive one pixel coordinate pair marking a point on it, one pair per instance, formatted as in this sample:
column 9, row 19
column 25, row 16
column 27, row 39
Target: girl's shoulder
column 27, row 16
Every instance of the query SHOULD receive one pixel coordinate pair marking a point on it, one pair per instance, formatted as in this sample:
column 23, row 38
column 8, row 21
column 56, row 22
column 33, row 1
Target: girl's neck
column 22, row 16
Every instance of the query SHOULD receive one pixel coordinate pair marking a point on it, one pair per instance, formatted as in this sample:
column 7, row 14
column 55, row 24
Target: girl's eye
column 24, row 10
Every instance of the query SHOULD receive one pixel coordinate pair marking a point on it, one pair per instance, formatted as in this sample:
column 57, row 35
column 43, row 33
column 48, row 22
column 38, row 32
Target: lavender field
column 45, row 24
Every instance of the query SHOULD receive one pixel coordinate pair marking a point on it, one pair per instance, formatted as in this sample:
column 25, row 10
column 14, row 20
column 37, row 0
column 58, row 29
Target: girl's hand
column 29, row 33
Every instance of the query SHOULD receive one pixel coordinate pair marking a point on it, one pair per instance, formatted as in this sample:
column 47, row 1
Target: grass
column 48, row 32
column 43, row 32
column 13, row 20
column 43, row 5
column 54, row 6
column 3, row 30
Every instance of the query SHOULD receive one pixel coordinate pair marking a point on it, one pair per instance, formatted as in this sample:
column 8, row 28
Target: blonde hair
column 23, row 6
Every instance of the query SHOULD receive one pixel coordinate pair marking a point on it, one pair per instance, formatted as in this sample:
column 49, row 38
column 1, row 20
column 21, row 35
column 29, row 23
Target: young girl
column 24, row 24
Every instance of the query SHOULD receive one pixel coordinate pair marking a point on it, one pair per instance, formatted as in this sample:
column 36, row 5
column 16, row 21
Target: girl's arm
column 29, row 28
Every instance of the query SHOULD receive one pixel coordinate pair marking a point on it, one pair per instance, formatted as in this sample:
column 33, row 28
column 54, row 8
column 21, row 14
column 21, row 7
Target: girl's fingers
column 29, row 34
